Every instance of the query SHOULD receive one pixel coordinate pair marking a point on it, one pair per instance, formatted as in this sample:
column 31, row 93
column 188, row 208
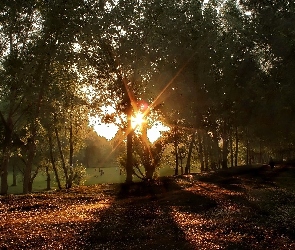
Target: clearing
column 240, row 208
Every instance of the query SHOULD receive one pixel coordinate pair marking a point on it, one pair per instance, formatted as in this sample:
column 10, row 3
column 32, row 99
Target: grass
column 243, row 208
column 93, row 176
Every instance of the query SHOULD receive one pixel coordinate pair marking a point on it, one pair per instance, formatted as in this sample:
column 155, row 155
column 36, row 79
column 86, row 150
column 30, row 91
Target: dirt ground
column 240, row 208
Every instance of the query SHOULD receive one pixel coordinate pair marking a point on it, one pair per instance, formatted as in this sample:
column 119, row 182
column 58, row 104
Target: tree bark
column 206, row 151
column 8, row 128
column 231, row 149
column 176, row 150
column 201, row 152
column 70, row 179
column 129, row 160
column 48, row 179
column 260, row 152
column 53, row 162
column 189, row 155
column 150, row 163
column 216, row 152
column 181, row 166
column 42, row 78
column 224, row 146
column 64, row 167
column 14, row 176
column 8, row 124
column 4, row 171
column 149, row 173
column 237, row 147
column 247, row 148
column 27, row 183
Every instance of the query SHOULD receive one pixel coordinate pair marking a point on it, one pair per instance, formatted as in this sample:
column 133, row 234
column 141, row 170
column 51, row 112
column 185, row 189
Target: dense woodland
column 219, row 74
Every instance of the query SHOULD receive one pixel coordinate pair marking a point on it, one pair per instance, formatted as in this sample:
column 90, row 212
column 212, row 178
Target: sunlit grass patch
column 51, row 219
column 205, row 232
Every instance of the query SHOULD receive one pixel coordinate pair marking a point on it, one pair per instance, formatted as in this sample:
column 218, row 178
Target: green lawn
column 93, row 176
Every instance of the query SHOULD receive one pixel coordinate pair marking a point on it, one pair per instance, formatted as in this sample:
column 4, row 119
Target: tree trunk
column 27, row 184
column 224, row 147
column 216, row 152
column 53, row 162
column 33, row 178
column 247, row 148
column 150, row 164
column 260, row 152
column 206, row 151
column 201, row 152
column 48, row 179
column 181, row 156
column 8, row 123
column 28, row 180
column 231, row 149
column 237, row 147
column 181, row 167
column 176, row 160
column 248, row 153
column 8, row 127
column 149, row 172
column 176, row 150
column 64, row 167
column 4, row 169
column 70, row 179
column 14, row 176
column 189, row 155
column 129, row 160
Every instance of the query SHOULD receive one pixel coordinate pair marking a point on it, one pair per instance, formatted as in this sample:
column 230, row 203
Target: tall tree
column 18, row 34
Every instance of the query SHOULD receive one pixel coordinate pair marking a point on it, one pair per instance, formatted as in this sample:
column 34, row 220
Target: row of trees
column 43, row 111
column 221, row 74
column 234, row 92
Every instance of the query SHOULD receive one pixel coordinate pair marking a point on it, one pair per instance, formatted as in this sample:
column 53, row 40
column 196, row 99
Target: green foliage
column 79, row 174
column 149, row 155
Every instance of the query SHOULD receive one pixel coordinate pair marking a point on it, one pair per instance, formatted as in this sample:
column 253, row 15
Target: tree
column 274, row 40
column 134, row 44
column 18, row 32
column 41, row 58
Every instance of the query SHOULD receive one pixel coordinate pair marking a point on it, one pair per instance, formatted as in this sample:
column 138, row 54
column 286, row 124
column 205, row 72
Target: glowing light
column 155, row 132
column 137, row 120
column 108, row 109
column 106, row 130
column 109, row 130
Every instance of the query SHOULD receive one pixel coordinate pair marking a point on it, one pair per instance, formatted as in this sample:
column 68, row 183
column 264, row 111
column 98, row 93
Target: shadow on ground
column 234, row 209
column 260, row 190
column 231, row 179
column 141, row 218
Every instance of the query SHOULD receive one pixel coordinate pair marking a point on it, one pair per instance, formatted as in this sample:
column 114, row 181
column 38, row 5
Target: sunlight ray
column 154, row 103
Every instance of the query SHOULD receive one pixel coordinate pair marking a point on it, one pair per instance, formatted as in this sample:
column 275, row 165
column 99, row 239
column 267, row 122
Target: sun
column 137, row 120
column 109, row 130
column 154, row 132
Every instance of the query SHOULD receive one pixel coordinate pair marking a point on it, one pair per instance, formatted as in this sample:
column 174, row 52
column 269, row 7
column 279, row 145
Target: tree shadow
column 140, row 218
column 231, row 179
column 267, row 207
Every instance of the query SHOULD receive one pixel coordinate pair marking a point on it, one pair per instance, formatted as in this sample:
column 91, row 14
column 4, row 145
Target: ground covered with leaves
column 240, row 208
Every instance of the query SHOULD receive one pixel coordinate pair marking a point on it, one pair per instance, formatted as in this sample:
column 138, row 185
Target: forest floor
column 240, row 208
